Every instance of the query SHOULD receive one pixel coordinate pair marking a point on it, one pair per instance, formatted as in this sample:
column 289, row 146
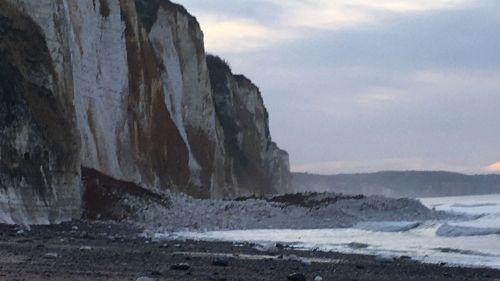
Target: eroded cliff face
column 120, row 88
column 253, row 162
column 39, row 142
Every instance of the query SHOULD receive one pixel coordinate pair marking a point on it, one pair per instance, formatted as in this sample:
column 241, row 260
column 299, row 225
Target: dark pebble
column 180, row 266
column 221, row 262
column 296, row 277
column 22, row 241
column 156, row 273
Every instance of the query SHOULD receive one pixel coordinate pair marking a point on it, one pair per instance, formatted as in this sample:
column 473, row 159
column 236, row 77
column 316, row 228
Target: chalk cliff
column 253, row 159
column 121, row 88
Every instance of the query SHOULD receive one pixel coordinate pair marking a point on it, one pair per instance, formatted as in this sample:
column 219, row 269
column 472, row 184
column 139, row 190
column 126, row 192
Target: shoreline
column 83, row 250
column 352, row 248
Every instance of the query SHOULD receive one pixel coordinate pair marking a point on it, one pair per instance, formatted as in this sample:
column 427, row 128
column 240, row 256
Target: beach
column 82, row 250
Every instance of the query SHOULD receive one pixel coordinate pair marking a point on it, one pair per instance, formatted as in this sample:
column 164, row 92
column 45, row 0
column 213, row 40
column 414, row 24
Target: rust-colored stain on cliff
column 159, row 148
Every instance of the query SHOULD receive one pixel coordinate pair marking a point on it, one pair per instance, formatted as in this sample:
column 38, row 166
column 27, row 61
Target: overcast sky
column 364, row 85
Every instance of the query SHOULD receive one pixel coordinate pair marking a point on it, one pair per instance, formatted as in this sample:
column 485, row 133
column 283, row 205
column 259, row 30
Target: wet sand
column 112, row 251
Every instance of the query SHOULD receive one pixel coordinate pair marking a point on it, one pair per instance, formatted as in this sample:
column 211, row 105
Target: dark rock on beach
column 223, row 262
column 180, row 266
column 296, row 277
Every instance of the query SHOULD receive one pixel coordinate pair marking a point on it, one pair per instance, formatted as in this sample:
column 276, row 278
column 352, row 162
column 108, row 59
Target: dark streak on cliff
column 104, row 8
column 159, row 146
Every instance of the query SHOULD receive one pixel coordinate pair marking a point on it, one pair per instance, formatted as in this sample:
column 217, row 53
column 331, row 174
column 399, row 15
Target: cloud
column 237, row 35
column 241, row 26
column 328, row 14
column 323, row 15
column 493, row 168
column 400, row 6
column 463, row 80
column 377, row 96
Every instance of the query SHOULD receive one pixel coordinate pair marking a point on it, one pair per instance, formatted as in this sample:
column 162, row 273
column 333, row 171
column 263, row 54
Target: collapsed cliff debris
column 281, row 212
column 108, row 199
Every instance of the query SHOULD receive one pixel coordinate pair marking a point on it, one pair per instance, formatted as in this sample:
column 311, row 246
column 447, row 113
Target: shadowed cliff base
column 105, row 198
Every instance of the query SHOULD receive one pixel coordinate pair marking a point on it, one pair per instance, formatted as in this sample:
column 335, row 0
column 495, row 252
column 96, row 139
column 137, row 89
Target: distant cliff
column 253, row 161
column 121, row 88
column 400, row 184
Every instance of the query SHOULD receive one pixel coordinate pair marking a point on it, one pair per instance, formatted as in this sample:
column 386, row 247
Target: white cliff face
column 191, row 91
column 103, row 98
column 100, row 74
column 163, row 43
column 132, row 84
column 102, row 80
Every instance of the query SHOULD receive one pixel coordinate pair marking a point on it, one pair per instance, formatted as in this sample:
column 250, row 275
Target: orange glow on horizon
column 495, row 167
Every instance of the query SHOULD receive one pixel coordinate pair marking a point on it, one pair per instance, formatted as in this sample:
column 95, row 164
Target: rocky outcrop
column 122, row 88
column 254, row 161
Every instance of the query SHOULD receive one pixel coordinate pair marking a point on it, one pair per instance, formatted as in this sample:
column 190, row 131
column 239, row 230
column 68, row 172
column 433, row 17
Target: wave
column 447, row 230
column 464, row 252
column 388, row 226
column 356, row 245
column 459, row 205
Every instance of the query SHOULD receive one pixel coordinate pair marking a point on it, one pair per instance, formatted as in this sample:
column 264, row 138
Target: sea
column 473, row 241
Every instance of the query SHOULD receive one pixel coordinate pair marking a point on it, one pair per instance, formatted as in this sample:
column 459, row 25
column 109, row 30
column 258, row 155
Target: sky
column 364, row 86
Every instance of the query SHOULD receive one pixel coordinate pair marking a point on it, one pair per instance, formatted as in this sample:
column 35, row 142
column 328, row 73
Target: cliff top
column 217, row 63
column 148, row 10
